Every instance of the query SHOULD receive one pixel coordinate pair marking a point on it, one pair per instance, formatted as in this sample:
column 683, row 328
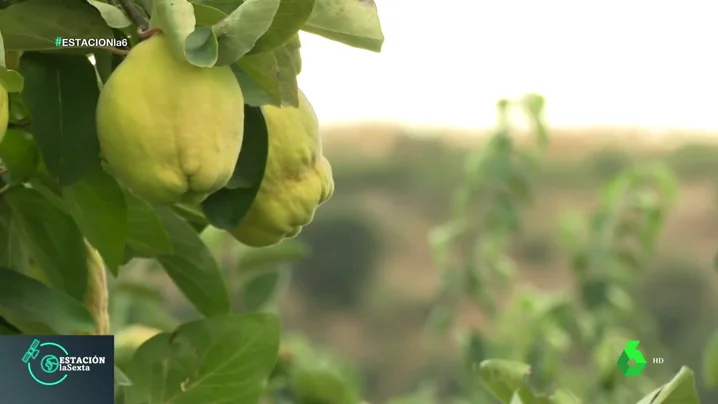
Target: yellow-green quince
column 170, row 131
column 297, row 179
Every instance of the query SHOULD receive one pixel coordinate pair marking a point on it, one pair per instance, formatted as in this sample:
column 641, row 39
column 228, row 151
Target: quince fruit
column 4, row 111
column 170, row 131
column 297, row 178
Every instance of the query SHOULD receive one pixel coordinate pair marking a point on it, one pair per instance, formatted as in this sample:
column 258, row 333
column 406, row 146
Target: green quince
column 297, row 178
column 4, row 111
column 170, row 131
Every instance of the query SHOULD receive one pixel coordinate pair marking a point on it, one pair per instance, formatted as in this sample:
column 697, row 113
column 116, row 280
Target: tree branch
column 134, row 13
column 116, row 51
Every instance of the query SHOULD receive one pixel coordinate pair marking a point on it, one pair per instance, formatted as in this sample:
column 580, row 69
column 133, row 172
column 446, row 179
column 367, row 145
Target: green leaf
column 261, row 290
column 502, row 377
column 20, row 155
column 113, row 16
column 225, row 6
column 207, row 16
column 201, row 47
column 270, row 78
column 147, row 235
column 193, row 215
column 98, row 205
column 177, row 21
column 253, row 259
column 33, row 25
column 61, row 93
column 239, row 32
column 206, row 361
column 36, row 309
column 226, row 208
column 193, row 268
column 710, row 362
column 562, row 396
column 52, row 237
column 121, row 378
column 322, row 385
column 289, row 19
column 13, row 254
column 294, row 46
column 351, row 22
column 7, row 328
column 680, row 390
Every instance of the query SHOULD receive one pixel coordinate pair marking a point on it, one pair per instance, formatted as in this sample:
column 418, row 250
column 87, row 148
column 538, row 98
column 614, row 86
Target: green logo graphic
column 631, row 353
column 49, row 364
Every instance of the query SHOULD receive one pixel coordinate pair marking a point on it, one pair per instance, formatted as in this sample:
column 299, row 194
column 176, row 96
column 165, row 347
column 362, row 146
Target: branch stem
column 116, row 51
column 134, row 13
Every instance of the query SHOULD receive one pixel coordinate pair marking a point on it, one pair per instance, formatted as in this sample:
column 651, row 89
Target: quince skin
column 4, row 111
column 297, row 178
column 170, row 131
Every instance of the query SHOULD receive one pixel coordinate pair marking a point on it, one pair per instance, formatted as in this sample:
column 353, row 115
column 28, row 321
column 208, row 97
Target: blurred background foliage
column 364, row 279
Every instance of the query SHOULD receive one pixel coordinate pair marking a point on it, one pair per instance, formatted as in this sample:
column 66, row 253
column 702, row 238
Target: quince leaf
column 176, row 19
column 61, row 94
column 147, row 236
column 271, row 78
column 239, row 32
column 97, row 203
column 224, row 6
column 113, row 16
column 351, row 22
column 34, row 308
column 52, row 237
column 202, row 361
column 192, row 267
column 226, row 208
column 34, row 25
column 289, row 19
column 207, row 16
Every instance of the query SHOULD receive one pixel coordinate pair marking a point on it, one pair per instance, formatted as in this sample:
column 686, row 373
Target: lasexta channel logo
column 49, row 363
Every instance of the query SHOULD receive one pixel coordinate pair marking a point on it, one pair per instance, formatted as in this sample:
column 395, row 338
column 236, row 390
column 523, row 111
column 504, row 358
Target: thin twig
column 4, row 188
column 146, row 33
column 134, row 13
column 116, row 51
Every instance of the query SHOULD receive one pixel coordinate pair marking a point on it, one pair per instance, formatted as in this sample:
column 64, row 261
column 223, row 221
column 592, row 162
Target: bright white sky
column 600, row 62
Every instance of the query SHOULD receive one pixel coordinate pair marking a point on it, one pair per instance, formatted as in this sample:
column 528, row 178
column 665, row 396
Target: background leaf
column 503, row 377
column 681, row 389
column 226, row 208
column 193, row 268
column 239, row 32
column 237, row 354
column 61, row 93
column 289, row 250
column 351, row 22
column 260, row 291
column 37, row 309
column 52, row 237
column 98, row 205
column 33, row 25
